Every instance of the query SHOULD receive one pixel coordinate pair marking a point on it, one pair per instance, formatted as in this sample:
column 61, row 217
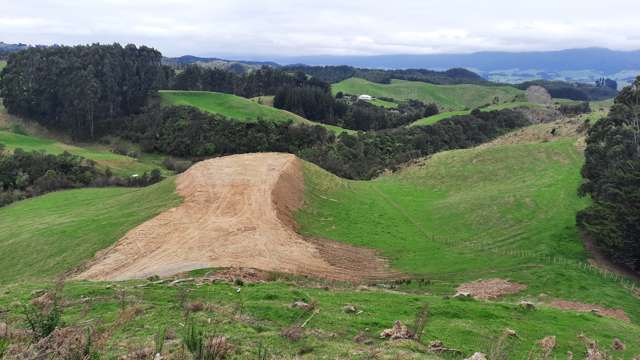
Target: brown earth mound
column 490, row 289
column 237, row 212
column 581, row 307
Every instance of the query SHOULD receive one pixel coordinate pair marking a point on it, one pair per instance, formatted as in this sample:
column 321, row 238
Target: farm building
column 365, row 97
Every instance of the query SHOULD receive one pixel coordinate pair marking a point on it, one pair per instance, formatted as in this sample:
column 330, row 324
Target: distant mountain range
column 577, row 65
column 597, row 59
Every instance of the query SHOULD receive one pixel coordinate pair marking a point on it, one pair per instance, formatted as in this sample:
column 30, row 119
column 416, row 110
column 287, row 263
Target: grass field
column 235, row 107
column 445, row 115
column 504, row 211
column 70, row 226
column 119, row 164
column 448, row 97
column 3, row 64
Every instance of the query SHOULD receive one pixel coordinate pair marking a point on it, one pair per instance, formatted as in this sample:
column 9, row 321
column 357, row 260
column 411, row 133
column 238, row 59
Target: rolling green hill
column 235, row 107
column 448, row 97
column 503, row 211
column 45, row 236
column 119, row 164
column 445, row 115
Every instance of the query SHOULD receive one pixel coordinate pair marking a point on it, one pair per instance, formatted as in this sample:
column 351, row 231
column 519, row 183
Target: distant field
column 449, row 97
column 3, row 64
column 384, row 104
column 70, row 226
column 235, row 107
column 445, row 115
column 119, row 164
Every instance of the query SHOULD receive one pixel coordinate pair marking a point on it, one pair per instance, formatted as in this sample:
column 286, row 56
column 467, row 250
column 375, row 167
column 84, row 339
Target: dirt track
column 236, row 213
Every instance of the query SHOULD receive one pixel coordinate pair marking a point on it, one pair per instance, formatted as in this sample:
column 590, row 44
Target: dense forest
column 333, row 74
column 318, row 104
column 77, row 89
column 26, row 174
column 602, row 90
column 612, row 178
column 264, row 81
column 187, row 132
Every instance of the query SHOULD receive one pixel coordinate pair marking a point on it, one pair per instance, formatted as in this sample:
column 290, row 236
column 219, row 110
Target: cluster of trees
column 317, row 103
column 574, row 91
column 333, row 74
column 575, row 109
column 264, row 81
column 187, row 132
column 609, row 83
column 77, row 88
column 27, row 174
column 611, row 176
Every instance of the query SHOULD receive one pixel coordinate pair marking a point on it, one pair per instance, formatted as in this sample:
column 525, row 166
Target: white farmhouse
column 364, row 97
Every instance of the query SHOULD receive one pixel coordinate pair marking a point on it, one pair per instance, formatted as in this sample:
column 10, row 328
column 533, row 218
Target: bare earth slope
column 236, row 213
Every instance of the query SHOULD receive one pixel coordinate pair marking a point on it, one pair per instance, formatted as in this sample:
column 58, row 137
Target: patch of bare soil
column 237, row 212
column 544, row 132
column 490, row 289
column 582, row 307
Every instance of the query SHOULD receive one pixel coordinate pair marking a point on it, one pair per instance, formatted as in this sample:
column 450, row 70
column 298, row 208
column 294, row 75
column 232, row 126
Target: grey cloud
column 288, row 27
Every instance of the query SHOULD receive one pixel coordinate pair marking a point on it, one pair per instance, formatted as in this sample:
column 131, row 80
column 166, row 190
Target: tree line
column 264, row 81
column 189, row 133
column 78, row 89
column 27, row 174
column 318, row 104
column 611, row 176
column 602, row 90
column 334, row 74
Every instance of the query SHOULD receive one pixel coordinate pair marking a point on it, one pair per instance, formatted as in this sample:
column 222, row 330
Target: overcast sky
column 334, row 27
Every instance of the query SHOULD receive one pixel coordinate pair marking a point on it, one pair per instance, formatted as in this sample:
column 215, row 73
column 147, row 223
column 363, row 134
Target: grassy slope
column 235, row 107
column 445, row 115
column 506, row 211
column 449, row 97
column 68, row 227
column 522, row 198
column 119, row 164
column 2, row 64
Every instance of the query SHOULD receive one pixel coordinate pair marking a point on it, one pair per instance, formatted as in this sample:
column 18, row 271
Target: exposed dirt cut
column 237, row 212
column 490, row 289
column 582, row 307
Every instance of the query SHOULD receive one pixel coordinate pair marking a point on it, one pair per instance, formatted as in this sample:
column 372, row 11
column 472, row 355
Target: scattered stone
column 438, row 347
column 569, row 355
column 477, row 356
column 349, row 309
column 462, row 295
column 301, row 305
column 510, row 333
column 618, row 345
column 596, row 312
column 397, row 332
column 526, row 305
